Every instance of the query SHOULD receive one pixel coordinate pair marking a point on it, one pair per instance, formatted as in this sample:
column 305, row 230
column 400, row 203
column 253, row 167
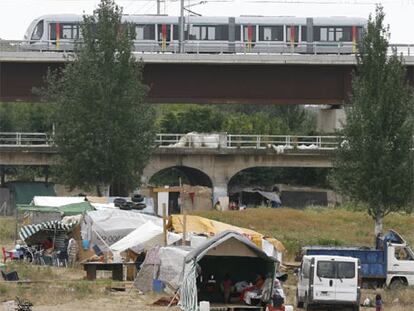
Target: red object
column 292, row 34
column 249, row 33
column 191, row 194
column 7, row 254
column 354, row 34
column 57, row 31
column 164, row 31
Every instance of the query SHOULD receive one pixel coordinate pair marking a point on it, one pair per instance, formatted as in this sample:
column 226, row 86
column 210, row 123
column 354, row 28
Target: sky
column 16, row 15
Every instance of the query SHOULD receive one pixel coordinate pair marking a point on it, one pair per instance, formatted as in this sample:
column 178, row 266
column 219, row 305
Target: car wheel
column 397, row 284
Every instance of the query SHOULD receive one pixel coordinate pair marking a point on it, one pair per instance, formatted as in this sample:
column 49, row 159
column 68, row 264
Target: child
column 378, row 303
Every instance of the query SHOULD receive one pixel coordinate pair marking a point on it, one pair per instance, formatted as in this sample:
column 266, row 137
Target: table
column 116, row 268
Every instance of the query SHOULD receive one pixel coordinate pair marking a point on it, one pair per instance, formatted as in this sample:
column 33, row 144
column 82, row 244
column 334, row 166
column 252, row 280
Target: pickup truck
column 391, row 263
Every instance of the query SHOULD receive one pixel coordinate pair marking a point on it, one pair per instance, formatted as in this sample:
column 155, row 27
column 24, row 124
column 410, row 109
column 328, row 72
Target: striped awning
column 55, row 225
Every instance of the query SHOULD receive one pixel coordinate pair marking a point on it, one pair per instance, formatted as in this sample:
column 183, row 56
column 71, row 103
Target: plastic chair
column 11, row 276
column 7, row 254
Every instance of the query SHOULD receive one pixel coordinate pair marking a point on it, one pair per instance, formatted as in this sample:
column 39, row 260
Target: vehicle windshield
column 38, row 31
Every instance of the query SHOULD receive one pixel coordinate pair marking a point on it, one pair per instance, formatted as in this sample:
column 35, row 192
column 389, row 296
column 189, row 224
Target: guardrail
column 24, row 139
column 260, row 47
column 195, row 140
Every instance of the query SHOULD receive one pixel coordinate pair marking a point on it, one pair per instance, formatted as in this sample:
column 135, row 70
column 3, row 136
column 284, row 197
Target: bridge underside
column 208, row 83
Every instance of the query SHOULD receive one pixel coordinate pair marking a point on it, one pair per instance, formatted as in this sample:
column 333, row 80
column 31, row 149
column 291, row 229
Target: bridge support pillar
column 220, row 193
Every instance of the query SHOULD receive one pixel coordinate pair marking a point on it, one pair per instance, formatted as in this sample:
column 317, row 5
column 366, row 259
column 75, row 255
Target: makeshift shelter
column 228, row 252
column 143, row 238
column 201, row 225
column 106, row 227
column 34, row 234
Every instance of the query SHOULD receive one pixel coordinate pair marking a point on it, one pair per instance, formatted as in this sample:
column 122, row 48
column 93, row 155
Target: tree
column 104, row 130
column 374, row 163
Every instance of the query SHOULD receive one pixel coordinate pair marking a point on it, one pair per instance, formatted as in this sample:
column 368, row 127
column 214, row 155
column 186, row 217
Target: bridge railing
column 24, row 139
column 196, row 47
column 276, row 142
column 195, row 140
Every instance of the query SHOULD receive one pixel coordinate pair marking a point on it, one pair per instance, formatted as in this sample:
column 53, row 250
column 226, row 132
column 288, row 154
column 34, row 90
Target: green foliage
column 104, row 130
column 26, row 117
column 374, row 163
column 195, row 118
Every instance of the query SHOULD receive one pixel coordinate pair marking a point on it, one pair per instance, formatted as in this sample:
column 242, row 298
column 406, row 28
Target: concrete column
column 220, row 193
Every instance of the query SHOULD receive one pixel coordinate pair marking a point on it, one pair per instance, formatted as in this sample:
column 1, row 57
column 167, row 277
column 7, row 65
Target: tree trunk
column 378, row 224
column 98, row 191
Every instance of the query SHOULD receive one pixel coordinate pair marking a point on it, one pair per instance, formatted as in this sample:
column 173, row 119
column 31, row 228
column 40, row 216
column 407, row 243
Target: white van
column 328, row 280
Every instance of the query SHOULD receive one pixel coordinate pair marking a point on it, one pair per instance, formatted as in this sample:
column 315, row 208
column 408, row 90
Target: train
column 202, row 34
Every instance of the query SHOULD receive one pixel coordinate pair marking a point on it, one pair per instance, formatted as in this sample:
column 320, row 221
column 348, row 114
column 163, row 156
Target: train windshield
column 38, row 31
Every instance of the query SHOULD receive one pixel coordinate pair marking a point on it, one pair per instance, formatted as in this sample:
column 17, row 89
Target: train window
column 292, row 33
column 38, row 31
column 237, row 34
column 207, row 33
column 145, row 32
column 331, row 34
column 249, row 33
column 271, row 33
column 339, row 34
column 222, row 32
column 176, row 32
column 304, row 34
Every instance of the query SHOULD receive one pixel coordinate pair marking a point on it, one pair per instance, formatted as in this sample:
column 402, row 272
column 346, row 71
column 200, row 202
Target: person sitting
column 47, row 244
column 227, row 286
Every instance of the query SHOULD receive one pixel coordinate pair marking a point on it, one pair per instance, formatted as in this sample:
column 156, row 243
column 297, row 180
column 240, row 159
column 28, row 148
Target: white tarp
column 56, row 201
column 143, row 238
column 111, row 225
column 172, row 264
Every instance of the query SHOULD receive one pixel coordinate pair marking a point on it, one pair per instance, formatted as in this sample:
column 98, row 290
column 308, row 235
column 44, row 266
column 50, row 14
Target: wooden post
column 184, row 228
column 164, row 222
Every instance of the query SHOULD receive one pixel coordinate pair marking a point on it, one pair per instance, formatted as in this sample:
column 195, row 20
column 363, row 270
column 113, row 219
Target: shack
column 227, row 255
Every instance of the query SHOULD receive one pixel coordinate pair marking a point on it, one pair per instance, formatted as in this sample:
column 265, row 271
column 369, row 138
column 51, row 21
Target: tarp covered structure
column 227, row 247
column 112, row 225
column 65, row 210
column 24, row 192
column 56, row 201
column 144, row 237
column 28, row 233
column 201, row 225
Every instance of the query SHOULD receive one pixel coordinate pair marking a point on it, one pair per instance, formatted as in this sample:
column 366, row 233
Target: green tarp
column 23, row 192
column 67, row 210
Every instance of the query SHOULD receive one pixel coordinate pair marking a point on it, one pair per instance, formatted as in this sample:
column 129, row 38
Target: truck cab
column 400, row 260
column 328, row 281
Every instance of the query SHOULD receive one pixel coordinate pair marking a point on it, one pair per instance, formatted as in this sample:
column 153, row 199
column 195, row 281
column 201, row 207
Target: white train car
column 244, row 34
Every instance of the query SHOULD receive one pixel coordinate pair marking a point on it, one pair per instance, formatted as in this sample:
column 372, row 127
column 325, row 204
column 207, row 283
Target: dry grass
column 317, row 226
column 7, row 230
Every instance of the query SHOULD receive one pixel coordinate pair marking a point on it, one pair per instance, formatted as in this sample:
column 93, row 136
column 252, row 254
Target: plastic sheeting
column 172, row 264
column 56, row 201
column 143, row 238
column 200, row 225
column 112, row 225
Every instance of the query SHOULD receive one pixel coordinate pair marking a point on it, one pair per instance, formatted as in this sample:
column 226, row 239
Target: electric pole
column 181, row 26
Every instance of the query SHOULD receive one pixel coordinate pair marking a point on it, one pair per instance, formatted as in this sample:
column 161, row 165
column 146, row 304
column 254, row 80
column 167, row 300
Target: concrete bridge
column 211, row 78
column 208, row 160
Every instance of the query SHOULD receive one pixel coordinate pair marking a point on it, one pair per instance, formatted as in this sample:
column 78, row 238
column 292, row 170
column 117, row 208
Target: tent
column 107, row 226
column 143, row 238
column 227, row 252
column 32, row 234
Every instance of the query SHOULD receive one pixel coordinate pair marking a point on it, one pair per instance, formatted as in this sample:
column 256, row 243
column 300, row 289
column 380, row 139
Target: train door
column 249, row 37
column 164, row 36
column 292, row 36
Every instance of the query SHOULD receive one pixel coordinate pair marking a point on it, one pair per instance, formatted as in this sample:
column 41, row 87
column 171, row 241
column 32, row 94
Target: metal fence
column 24, row 139
column 194, row 140
column 221, row 47
column 234, row 141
